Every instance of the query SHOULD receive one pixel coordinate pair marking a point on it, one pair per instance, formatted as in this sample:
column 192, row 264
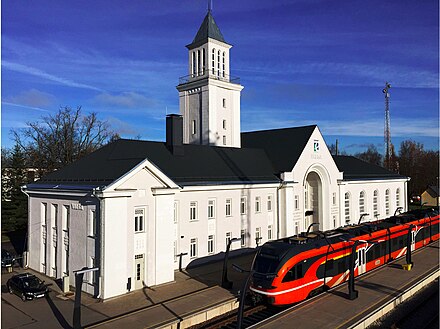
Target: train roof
column 288, row 247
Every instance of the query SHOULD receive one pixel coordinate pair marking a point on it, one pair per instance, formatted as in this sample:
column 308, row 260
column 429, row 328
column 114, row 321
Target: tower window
column 199, row 62
column 218, row 63
column 213, row 61
column 223, row 64
column 224, row 102
column 224, row 124
column 193, row 127
column 203, row 61
column 194, row 67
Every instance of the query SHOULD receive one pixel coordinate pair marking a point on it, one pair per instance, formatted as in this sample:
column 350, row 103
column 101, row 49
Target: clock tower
column 209, row 98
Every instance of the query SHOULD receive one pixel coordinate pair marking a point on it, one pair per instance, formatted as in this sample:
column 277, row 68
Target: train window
column 266, row 263
column 295, row 273
column 401, row 241
column 330, row 265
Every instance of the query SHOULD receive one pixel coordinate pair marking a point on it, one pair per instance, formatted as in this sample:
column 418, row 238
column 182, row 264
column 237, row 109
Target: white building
column 132, row 206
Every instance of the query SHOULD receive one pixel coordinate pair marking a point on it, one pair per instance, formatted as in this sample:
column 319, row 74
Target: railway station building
column 132, row 207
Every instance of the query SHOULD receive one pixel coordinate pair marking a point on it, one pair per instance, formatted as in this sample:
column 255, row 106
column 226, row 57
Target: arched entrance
column 313, row 201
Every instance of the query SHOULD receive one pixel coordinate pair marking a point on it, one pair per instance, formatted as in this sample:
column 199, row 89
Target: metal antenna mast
column 387, row 132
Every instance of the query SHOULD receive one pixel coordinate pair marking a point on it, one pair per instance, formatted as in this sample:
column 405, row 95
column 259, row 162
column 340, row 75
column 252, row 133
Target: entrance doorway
column 139, row 271
column 312, row 198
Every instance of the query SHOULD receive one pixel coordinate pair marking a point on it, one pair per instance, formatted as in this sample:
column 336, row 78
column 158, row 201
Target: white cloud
column 125, row 99
column 41, row 74
column 32, row 98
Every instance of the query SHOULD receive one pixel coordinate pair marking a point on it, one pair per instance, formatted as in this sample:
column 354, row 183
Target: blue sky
column 301, row 62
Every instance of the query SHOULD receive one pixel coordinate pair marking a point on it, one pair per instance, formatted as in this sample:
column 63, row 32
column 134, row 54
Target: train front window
column 266, row 263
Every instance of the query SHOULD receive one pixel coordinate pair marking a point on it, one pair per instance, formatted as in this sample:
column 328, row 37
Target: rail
column 217, row 75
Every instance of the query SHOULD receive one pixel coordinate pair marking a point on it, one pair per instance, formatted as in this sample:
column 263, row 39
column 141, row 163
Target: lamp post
column 362, row 216
column 225, row 282
column 310, row 226
column 79, row 275
column 180, row 259
column 352, row 293
column 398, row 209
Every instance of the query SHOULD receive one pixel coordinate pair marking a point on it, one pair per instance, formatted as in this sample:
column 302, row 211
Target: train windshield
column 265, row 263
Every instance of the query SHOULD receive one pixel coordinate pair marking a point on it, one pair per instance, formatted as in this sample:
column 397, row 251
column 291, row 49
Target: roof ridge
column 278, row 129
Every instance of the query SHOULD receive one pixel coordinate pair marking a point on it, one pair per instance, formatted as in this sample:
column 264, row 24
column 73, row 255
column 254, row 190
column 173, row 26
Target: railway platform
column 379, row 292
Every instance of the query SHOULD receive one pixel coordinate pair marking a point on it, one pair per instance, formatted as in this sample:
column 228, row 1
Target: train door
column 362, row 260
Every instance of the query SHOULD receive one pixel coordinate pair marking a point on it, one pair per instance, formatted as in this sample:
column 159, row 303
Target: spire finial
column 209, row 6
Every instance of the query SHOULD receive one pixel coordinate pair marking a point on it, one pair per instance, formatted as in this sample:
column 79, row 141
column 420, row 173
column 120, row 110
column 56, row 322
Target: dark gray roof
column 355, row 168
column 208, row 29
column 199, row 164
column 433, row 190
column 282, row 146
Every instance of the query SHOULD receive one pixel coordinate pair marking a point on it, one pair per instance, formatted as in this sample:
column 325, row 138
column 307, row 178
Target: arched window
column 387, row 202
column 213, row 61
column 361, row 202
column 223, row 71
column 218, row 63
column 375, row 203
column 347, row 207
column 398, row 197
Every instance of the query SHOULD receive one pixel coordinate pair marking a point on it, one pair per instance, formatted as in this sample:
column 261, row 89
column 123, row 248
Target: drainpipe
column 102, row 241
column 278, row 208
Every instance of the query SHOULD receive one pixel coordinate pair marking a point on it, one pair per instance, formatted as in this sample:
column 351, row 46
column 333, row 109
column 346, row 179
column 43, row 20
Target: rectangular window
column 193, row 248
column 243, row 205
column 211, row 209
column 224, row 124
column 269, row 203
column 193, row 127
column 228, row 238
column 296, row 227
column 176, row 211
column 334, row 221
column 257, row 204
column 243, row 238
column 139, row 214
column 269, row 232
column 296, row 202
column 224, row 140
column 224, row 102
column 193, row 210
column 210, row 244
column 228, row 207
column 92, row 224
column 258, row 235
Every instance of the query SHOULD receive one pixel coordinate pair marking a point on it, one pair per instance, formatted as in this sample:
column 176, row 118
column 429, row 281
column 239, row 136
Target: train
column 288, row 270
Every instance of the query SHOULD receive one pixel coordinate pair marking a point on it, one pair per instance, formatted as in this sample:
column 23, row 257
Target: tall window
column 258, row 235
column 361, row 202
column 334, row 198
column 203, row 61
column 139, row 219
column 243, row 238
column 375, row 203
column 228, row 238
column 194, row 67
column 213, row 61
column 398, row 197
column 269, row 203
column 175, row 250
column 193, row 127
column 218, row 63
column 243, row 205
column 199, row 63
column 347, row 207
column 210, row 244
column 296, row 227
column 387, row 202
column 193, row 210
column 176, row 211
column 224, row 102
column 193, row 248
column 257, row 204
column 211, row 209
column 92, row 223
column 223, row 71
column 224, row 124
column 224, row 140
column 228, row 207
column 296, row 202
column 269, row 232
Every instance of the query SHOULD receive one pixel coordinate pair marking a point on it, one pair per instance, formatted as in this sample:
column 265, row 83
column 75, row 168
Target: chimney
column 174, row 126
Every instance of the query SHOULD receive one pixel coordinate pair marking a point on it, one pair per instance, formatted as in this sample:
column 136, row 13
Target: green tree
column 14, row 202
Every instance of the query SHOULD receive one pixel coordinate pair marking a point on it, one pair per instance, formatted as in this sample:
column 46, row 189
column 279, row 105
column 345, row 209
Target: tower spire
column 209, row 6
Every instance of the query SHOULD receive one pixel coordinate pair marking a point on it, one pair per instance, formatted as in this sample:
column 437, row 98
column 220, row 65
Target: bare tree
column 62, row 138
column 371, row 155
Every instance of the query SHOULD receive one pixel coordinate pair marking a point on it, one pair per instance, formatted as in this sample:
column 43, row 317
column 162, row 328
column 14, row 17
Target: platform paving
column 195, row 289
column 334, row 310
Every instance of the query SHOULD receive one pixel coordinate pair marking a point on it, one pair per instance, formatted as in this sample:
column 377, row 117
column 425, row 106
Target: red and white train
column 289, row 270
